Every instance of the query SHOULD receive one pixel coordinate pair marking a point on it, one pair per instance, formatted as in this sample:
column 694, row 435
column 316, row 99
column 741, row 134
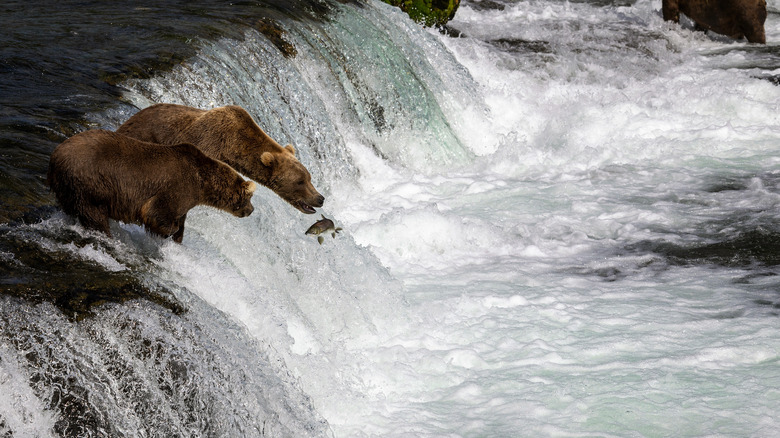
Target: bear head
column 290, row 180
column 241, row 201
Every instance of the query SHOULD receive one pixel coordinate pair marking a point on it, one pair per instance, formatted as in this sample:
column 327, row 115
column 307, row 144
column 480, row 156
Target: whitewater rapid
column 521, row 207
column 492, row 279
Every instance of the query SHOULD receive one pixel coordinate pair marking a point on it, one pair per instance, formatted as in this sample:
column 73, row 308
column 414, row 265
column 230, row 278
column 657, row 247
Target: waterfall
column 261, row 316
column 561, row 222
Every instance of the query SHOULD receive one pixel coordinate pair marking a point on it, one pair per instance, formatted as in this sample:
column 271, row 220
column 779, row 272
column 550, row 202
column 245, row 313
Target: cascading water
column 562, row 222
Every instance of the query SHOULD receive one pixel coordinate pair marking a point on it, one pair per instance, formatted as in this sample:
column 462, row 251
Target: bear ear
column 290, row 148
column 250, row 187
column 267, row 158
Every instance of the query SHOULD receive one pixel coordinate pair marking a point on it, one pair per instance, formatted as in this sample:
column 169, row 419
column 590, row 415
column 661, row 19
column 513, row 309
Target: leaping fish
column 323, row 226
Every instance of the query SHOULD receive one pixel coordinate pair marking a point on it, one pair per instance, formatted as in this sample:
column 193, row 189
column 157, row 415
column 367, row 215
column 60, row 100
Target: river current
column 559, row 219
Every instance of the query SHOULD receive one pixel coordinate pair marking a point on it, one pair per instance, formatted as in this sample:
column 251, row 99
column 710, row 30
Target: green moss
column 428, row 12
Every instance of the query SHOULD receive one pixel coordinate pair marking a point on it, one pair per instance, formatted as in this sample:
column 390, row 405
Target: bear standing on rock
column 733, row 18
column 99, row 175
column 231, row 135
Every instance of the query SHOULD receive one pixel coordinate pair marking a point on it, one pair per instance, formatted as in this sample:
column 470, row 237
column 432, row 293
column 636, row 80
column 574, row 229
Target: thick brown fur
column 733, row 18
column 99, row 175
column 231, row 135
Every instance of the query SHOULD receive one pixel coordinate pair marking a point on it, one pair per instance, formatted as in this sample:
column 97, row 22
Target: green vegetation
column 428, row 12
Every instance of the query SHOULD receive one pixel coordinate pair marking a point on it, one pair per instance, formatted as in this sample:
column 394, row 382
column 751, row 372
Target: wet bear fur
column 99, row 175
column 229, row 134
column 733, row 18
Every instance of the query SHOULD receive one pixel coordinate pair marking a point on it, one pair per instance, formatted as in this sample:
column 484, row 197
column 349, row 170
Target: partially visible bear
column 99, row 175
column 733, row 18
column 229, row 134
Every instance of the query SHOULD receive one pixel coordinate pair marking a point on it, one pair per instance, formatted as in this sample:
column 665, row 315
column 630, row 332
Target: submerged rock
column 277, row 35
column 428, row 12
column 76, row 287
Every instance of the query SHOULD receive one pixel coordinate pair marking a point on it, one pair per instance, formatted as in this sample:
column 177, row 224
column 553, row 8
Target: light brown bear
column 229, row 134
column 99, row 175
column 733, row 18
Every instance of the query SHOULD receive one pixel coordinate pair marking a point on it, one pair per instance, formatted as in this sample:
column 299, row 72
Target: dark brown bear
column 733, row 18
column 231, row 135
column 99, row 175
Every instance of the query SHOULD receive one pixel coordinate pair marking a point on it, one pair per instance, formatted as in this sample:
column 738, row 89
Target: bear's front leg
column 179, row 234
column 158, row 217
column 165, row 229
column 671, row 10
column 756, row 36
column 752, row 25
column 95, row 219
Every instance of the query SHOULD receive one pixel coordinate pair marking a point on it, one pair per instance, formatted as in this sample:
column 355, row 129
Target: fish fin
column 320, row 239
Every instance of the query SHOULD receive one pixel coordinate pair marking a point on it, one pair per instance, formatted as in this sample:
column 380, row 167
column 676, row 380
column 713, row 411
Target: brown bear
column 733, row 18
column 229, row 134
column 99, row 175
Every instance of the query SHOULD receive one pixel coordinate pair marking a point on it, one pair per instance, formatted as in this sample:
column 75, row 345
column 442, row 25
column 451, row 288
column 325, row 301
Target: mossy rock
column 428, row 12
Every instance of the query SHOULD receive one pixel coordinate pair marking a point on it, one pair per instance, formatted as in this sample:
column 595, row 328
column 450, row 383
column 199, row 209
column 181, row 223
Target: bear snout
column 244, row 212
column 308, row 204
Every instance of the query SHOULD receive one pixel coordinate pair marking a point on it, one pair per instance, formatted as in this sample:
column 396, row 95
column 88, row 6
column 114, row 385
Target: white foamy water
column 542, row 222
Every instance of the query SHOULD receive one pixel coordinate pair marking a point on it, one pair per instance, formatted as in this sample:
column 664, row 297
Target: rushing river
column 559, row 219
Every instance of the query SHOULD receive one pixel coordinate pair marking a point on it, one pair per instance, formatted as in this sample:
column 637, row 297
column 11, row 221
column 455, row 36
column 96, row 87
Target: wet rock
column 75, row 287
column 274, row 32
column 428, row 12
